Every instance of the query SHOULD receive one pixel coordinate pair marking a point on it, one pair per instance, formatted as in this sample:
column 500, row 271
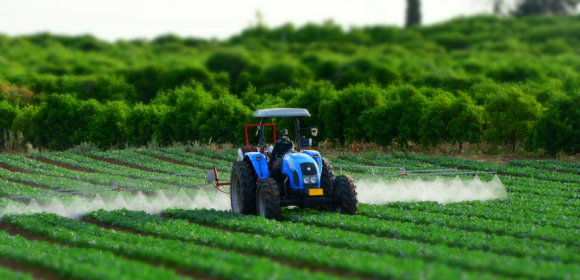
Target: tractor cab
column 266, row 148
column 304, row 180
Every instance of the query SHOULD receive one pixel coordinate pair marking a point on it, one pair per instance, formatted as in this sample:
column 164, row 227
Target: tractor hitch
column 212, row 176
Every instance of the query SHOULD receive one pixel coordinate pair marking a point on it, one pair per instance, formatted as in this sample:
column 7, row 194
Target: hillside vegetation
column 505, row 81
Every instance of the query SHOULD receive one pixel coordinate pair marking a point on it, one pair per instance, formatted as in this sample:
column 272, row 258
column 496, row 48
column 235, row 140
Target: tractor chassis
column 303, row 200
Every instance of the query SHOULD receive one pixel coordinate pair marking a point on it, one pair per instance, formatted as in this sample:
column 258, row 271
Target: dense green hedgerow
column 503, row 80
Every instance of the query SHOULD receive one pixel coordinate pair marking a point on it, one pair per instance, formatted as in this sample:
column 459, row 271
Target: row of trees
column 450, row 82
column 404, row 114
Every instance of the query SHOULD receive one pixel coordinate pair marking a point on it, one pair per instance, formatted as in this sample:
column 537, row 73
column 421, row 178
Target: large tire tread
column 345, row 187
column 327, row 176
column 271, row 198
column 327, row 182
column 248, row 185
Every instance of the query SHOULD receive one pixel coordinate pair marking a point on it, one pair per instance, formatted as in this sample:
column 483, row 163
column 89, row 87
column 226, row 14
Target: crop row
column 535, row 185
column 145, row 162
column 521, row 230
column 77, row 263
column 44, row 180
column 71, row 178
column 4, row 201
column 348, row 167
column 542, row 187
column 503, row 169
column 560, row 166
column 7, row 274
column 188, row 160
column 520, row 208
column 108, row 168
column 389, row 161
column 465, row 259
column 528, row 203
column 435, row 234
column 229, row 155
column 42, row 168
column 8, row 188
column 423, row 163
column 194, row 156
column 88, row 163
column 208, row 260
column 347, row 259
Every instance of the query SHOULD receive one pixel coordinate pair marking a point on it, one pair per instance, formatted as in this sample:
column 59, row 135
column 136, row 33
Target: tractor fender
column 293, row 166
column 259, row 163
column 315, row 156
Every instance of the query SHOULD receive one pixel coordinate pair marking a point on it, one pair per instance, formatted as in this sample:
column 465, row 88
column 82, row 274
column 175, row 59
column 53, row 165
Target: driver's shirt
column 280, row 149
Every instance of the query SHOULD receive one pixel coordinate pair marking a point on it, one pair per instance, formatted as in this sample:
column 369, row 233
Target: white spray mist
column 440, row 190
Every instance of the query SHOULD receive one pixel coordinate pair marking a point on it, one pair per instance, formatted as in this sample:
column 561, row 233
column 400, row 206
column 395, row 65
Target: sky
column 129, row 19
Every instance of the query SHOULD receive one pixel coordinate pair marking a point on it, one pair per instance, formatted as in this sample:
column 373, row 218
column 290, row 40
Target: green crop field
column 520, row 224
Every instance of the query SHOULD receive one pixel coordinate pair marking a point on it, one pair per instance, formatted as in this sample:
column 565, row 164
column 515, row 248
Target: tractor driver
column 280, row 148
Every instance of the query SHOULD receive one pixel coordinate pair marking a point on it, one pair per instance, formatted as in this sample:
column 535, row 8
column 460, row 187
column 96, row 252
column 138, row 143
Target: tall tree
column 511, row 113
column 413, row 13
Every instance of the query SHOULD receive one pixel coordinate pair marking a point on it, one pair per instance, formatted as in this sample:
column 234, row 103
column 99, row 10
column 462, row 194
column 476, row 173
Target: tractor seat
column 266, row 150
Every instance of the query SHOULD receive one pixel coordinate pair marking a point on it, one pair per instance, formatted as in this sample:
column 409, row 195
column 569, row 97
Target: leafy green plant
column 83, row 147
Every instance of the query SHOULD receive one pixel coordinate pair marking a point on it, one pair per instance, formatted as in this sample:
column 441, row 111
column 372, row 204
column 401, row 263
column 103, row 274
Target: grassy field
column 525, row 226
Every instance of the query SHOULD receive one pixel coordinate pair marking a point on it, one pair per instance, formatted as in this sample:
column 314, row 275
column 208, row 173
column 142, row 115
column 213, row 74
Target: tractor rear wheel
column 345, row 188
column 268, row 199
column 243, row 188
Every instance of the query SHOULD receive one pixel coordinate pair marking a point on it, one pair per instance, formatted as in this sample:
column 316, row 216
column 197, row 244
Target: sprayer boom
column 126, row 185
column 404, row 172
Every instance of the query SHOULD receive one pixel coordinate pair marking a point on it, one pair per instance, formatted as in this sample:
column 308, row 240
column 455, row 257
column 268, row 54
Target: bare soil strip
column 14, row 169
column 63, row 165
column 30, row 236
column 121, row 164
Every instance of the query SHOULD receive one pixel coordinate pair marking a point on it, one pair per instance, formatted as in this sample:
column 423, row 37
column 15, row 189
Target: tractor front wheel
column 345, row 188
column 268, row 199
column 327, row 176
column 327, row 182
column 243, row 188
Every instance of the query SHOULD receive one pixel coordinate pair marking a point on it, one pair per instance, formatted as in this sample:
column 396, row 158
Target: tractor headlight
column 306, row 180
column 313, row 180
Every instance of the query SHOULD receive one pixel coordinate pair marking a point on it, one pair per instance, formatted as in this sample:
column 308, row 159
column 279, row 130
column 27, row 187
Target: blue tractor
column 307, row 180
